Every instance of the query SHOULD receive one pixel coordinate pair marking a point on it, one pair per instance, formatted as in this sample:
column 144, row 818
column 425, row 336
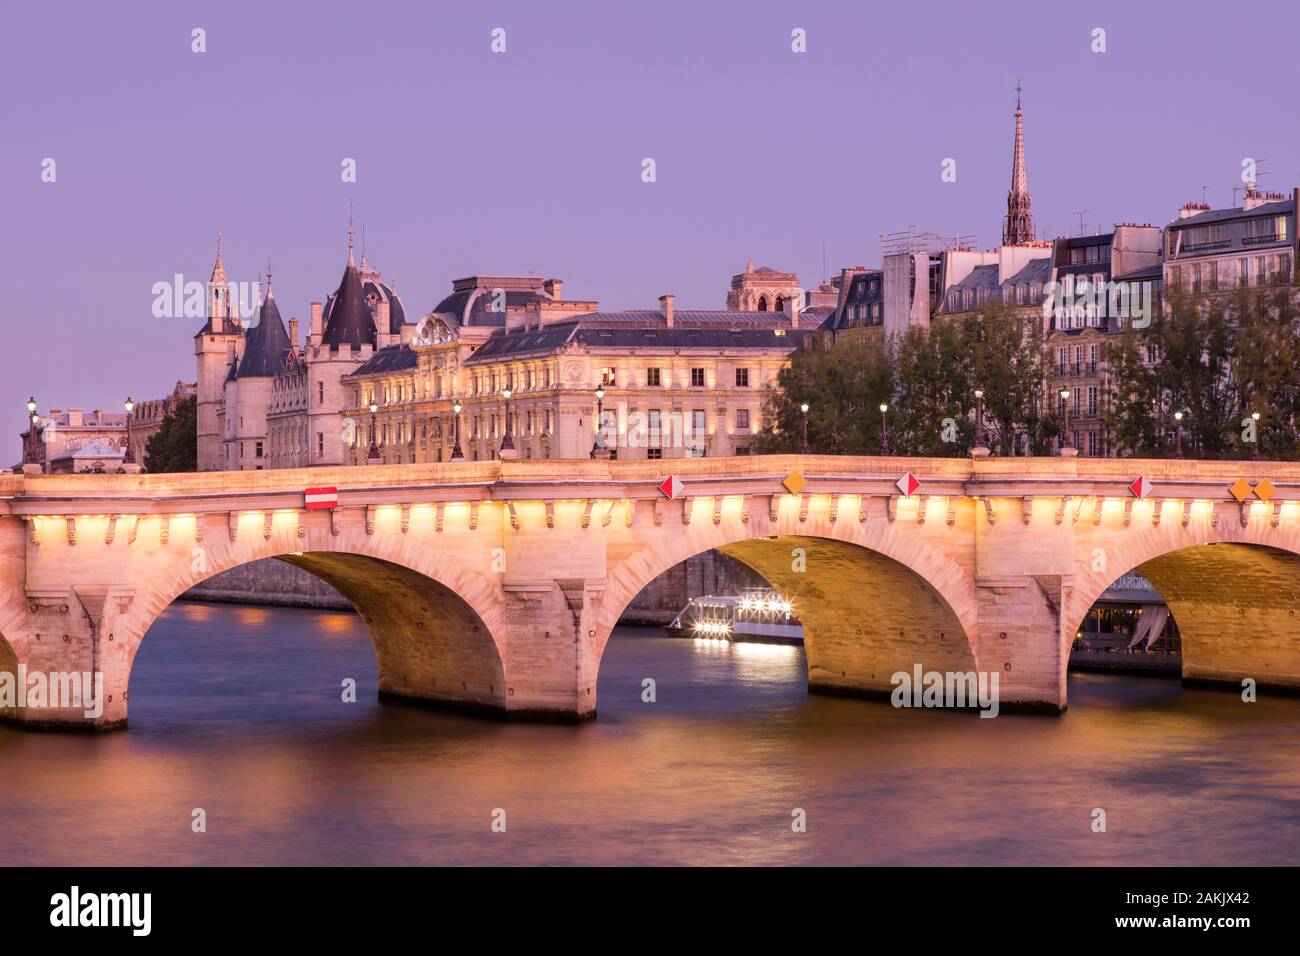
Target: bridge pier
column 1020, row 639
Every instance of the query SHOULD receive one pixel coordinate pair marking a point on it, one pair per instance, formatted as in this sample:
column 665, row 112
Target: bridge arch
column 1234, row 592
column 436, row 626
column 923, row 606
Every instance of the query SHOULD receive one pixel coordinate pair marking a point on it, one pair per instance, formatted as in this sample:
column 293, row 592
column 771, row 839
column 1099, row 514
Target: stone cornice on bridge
column 990, row 478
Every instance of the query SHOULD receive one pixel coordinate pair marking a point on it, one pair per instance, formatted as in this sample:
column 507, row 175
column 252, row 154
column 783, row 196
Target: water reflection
column 240, row 713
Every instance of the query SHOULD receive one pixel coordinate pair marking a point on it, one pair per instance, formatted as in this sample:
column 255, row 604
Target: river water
column 237, row 711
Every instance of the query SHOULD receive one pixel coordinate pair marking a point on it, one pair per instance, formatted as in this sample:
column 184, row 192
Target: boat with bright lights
column 756, row 614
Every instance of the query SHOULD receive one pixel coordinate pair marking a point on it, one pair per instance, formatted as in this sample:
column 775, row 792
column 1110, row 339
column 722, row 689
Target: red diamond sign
column 907, row 485
column 1140, row 486
column 671, row 487
column 321, row 498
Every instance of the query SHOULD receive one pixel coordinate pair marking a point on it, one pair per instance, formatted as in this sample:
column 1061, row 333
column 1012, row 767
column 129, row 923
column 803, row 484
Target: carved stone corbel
column 1128, row 511
column 370, row 519
column 550, row 514
column 688, row 504
column 473, row 515
column 268, row 518
column 586, row 514
column 773, row 507
column 1187, row 511
column 920, row 508
column 862, row 508
column 744, row 509
column 198, row 527
column 514, row 518
column 629, row 512
column 165, row 532
column 891, row 507
column 1027, row 508
column 803, row 508
column 336, row 520
column 31, row 529
column 1157, row 512
column 406, row 517
column 438, row 509
column 989, row 513
column 1098, row 504
column 1243, row 511
column 1060, row 509
column 835, row 508
column 608, row 516
column 717, row 509
column 952, row 510
column 111, row 531
column 1274, row 514
column 232, row 525
column 135, row 529
column 72, row 528
column 659, row 512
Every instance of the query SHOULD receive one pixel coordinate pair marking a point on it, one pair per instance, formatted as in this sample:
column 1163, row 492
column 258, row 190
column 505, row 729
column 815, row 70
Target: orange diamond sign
column 794, row 482
column 1241, row 489
column 1265, row 489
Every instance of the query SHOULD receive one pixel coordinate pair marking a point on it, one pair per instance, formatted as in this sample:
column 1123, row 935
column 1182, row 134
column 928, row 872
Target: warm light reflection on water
column 238, row 711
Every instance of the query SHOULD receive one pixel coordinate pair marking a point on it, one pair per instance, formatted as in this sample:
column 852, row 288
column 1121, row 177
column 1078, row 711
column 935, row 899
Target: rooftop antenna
column 1203, row 190
column 268, row 275
column 823, row 260
column 1081, row 213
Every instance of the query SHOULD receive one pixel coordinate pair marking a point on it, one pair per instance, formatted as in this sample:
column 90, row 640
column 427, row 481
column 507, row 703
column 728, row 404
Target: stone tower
column 1018, row 230
column 218, row 347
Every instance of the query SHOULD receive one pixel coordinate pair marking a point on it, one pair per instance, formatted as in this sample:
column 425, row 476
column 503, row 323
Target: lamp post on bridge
column 29, row 451
column 374, row 458
column 1254, row 446
column 598, row 449
column 456, row 453
column 1178, row 434
column 1067, row 447
column 803, row 446
column 129, row 406
column 981, row 450
column 507, row 449
column 884, row 428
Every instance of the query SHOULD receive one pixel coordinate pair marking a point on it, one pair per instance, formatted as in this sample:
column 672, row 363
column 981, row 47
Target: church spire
column 1019, row 226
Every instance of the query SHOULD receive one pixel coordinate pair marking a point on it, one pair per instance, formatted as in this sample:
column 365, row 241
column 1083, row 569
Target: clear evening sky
column 470, row 161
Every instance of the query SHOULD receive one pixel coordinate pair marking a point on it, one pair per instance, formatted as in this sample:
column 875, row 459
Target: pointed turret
column 350, row 321
column 1018, row 229
column 267, row 343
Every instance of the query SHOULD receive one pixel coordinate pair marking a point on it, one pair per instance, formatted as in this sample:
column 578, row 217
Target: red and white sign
column 907, row 485
column 1140, row 486
column 671, row 487
column 322, row 498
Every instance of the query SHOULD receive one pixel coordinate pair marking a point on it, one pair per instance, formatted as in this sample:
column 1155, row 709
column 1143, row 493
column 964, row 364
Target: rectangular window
column 654, row 377
column 1092, row 399
column 1261, row 270
column 697, row 431
column 1243, row 271
column 654, row 453
column 607, row 375
column 742, row 378
column 742, row 419
column 1093, row 448
column 320, row 444
column 320, row 392
column 258, row 452
column 654, row 424
column 697, row 378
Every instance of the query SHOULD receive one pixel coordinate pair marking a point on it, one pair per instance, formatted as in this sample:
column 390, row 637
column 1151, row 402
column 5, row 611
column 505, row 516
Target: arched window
column 762, row 303
column 780, row 304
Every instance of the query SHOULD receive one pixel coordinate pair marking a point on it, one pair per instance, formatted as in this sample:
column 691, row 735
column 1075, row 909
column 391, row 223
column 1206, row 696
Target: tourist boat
column 1128, row 629
column 756, row 614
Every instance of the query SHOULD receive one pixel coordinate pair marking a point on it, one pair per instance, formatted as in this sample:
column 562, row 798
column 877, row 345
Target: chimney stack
column 554, row 288
column 666, row 308
column 293, row 334
column 317, row 324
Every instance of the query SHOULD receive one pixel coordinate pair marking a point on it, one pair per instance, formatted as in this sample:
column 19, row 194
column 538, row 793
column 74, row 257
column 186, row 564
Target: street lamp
column 456, row 453
column 29, row 451
column 1065, row 410
column 803, row 448
column 374, row 458
column 508, row 441
column 1254, row 446
column 1178, row 434
column 884, row 429
column 597, row 441
column 128, row 405
column 980, row 448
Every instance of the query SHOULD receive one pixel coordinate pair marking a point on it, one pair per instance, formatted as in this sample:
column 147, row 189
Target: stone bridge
column 496, row 585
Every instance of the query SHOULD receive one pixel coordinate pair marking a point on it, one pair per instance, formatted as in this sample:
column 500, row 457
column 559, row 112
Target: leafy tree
column 175, row 445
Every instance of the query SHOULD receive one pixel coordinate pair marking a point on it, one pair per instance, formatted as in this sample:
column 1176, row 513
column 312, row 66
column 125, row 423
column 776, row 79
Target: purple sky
column 470, row 161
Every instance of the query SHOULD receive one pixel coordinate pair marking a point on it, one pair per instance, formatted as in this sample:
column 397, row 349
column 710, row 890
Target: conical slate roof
column 266, row 343
column 350, row 321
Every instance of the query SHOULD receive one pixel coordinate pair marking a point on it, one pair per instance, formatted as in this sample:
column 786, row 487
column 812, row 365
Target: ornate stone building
column 762, row 290
column 667, row 383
